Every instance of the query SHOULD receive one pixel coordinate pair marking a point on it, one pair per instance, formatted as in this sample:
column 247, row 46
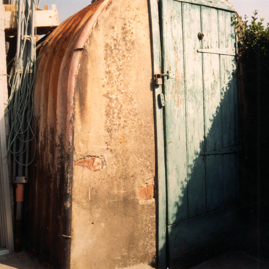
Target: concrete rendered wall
column 113, row 208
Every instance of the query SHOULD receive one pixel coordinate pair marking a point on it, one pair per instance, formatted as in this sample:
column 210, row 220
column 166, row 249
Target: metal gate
column 200, row 124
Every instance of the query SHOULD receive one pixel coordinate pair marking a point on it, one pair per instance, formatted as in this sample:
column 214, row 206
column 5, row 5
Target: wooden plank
column 233, row 177
column 236, row 118
column 228, row 93
column 7, row 7
column 45, row 18
column 219, row 4
column 48, row 19
column 230, row 176
column 11, row 7
column 194, row 109
column 236, row 100
column 195, row 235
column 228, row 84
column 211, row 80
column 4, row 177
column 157, row 68
column 55, row 13
column 230, row 162
column 175, row 119
column 215, row 185
column 213, row 164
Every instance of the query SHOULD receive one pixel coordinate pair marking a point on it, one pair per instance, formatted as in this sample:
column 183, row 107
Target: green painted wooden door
column 201, row 134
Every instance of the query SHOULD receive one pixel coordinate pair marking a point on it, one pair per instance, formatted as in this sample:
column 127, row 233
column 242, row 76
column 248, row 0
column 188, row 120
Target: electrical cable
column 21, row 99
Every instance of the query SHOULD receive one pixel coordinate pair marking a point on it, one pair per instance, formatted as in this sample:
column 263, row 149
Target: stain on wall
column 52, row 171
column 114, row 117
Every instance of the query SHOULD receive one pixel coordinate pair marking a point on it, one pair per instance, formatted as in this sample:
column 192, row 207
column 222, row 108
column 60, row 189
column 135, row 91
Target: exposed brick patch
column 94, row 164
column 146, row 192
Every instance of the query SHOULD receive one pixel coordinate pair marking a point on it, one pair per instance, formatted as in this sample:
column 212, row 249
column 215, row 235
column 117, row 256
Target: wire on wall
column 20, row 103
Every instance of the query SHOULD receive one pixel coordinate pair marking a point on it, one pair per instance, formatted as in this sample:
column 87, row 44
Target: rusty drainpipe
column 18, row 180
column 22, row 172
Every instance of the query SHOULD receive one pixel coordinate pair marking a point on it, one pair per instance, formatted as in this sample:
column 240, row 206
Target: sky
column 246, row 7
column 66, row 8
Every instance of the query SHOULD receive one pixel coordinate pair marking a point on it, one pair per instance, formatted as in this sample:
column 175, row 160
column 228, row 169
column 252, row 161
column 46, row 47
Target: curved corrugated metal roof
column 51, row 175
column 60, row 52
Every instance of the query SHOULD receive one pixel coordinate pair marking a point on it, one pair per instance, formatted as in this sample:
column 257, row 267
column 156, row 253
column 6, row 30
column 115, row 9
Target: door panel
column 200, row 123
column 211, row 67
column 214, row 182
column 194, row 109
column 175, row 109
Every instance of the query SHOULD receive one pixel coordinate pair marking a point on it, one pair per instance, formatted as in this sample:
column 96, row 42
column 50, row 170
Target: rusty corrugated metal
column 51, row 174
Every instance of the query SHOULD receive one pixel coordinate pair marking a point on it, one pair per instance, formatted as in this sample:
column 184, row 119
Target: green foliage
column 253, row 51
column 253, row 44
column 253, row 63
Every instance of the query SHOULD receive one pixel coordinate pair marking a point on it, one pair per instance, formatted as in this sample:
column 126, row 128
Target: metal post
column 6, row 229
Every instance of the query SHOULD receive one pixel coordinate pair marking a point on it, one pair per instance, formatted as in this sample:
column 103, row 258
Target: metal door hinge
column 159, row 78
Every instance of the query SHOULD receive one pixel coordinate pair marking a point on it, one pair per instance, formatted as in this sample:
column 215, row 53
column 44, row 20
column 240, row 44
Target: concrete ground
column 25, row 260
column 233, row 260
column 20, row 260
column 230, row 260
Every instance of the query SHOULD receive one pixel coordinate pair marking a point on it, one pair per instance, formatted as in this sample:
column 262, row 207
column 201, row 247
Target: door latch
column 162, row 101
column 159, row 78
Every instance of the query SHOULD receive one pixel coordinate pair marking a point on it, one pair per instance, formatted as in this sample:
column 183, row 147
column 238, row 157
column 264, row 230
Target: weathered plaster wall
column 113, row 209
